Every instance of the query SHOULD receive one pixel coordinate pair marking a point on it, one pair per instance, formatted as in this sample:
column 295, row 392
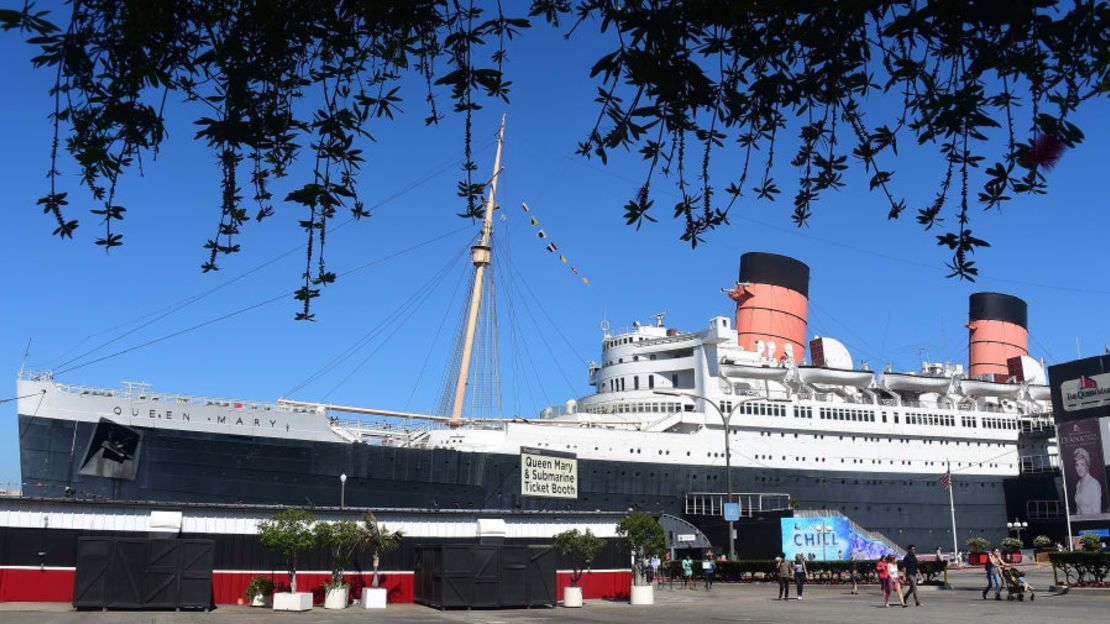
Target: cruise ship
column 808, row 427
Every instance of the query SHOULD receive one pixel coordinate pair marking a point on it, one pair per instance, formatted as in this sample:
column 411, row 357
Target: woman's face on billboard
column 1081, row 467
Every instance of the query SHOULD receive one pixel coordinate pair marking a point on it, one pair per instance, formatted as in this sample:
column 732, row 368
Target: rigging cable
column 514, row 357
column 435, row 340
column 242, row 310
column 162, row 313
column 543, row 310
column 445, row 402
column 16, row 398
column 518, row 338
column 543, row 337
column 401, row 318
column 367, row 337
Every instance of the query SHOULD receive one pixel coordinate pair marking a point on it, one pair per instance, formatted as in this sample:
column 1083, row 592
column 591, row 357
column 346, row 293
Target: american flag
column 946, row 480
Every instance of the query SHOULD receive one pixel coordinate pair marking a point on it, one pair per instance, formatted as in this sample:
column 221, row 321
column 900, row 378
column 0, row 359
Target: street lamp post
column 1017, row 526
column 726, row 419
column 342, row 490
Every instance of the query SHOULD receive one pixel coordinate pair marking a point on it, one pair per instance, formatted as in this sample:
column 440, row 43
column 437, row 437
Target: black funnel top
column 768, row 268
column 989, row 306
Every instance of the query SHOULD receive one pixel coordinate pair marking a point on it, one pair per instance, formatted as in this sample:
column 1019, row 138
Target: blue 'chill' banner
column 826, row 539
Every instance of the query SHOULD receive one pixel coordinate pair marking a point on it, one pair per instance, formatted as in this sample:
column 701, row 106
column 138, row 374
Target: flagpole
column 1064, row 485
column 952, row 509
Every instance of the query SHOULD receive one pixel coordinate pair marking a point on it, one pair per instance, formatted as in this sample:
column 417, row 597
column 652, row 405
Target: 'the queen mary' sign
column 1080, row 389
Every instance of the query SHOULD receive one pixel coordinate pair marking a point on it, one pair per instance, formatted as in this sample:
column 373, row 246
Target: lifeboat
column 921, row 384
column 835, row 376
column 980, row 388
column 1039, row 392
column 753, row 371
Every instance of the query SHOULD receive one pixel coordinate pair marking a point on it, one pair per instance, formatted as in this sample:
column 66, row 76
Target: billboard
column 827, row 538
column 1080, row 389
column 1084, row 464
column 548, row 474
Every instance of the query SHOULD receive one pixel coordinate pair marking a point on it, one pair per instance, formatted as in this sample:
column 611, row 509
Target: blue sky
column 877, row 285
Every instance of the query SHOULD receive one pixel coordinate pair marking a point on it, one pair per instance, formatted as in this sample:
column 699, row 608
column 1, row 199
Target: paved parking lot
column 754, row 604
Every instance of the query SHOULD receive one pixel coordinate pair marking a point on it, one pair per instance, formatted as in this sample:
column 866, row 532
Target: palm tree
column 378, row 541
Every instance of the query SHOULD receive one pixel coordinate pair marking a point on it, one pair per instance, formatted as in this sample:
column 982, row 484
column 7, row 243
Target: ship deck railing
column 385, row 429
column 1044, row 509
column 712, row 503
column 143, row 392
column 1034, row 464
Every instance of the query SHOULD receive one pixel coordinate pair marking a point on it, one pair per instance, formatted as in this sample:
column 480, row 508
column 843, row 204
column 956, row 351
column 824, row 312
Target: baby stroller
column 1016, row 587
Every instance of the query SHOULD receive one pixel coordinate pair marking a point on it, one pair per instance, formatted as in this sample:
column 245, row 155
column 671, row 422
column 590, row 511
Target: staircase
column 874, row 536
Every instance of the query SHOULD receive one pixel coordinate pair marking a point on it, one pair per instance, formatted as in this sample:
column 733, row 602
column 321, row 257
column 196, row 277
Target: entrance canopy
column 681, row 534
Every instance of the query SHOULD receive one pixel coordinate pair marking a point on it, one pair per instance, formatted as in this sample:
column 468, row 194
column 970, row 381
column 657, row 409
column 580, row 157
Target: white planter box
column 337, row 598
column 261, row 600
column 642, row 595
column 288, row 601
column 374, row 597
column 572, row 597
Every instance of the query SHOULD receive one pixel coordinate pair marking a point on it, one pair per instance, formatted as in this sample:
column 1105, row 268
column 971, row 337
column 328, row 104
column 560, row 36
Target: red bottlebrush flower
column 1045, row 152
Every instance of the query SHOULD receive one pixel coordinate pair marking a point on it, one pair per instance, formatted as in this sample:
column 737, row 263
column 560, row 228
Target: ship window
column 674, row 380
column 636, row 382
column 651, row 378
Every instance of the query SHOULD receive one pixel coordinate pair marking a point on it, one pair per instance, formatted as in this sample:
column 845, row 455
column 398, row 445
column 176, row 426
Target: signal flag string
column 551, row 247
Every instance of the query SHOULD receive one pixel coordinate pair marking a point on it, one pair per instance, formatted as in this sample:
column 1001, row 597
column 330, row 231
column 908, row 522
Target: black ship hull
column 184, row 466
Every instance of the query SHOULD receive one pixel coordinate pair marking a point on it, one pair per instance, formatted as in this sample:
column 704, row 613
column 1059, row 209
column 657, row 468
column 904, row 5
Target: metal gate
column 127, row 573
column 485, row 576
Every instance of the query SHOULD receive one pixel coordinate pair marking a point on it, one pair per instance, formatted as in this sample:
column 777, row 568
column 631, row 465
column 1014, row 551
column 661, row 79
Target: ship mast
column 480, row 255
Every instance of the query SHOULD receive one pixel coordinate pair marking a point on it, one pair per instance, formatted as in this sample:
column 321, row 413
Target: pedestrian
column 708, row 568
column 687, row 572
column 893, row 581
column 785, row 571
column 909, row 564
column 854, row 573
column 959, row 558
column 940, row 556
column 880, row 569
column 655, row 563
column 800, row 574
column 994, row 574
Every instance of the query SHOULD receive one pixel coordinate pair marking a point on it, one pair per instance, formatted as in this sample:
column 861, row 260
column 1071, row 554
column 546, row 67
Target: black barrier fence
column 58, row 547
column 136, row 573
column 485, row 576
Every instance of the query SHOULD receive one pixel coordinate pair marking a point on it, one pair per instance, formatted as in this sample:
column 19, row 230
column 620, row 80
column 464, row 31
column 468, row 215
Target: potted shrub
column 377, row 540
column 1043, row 542
column 581, row 549
column 289, row 533
column 977, row 550
column 340, row 539
column 644, row 537
column 260, row 591
column 1044, row 546
column 1011, row 549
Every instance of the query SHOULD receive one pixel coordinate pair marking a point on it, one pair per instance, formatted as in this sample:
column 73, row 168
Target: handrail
column 875, row 536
